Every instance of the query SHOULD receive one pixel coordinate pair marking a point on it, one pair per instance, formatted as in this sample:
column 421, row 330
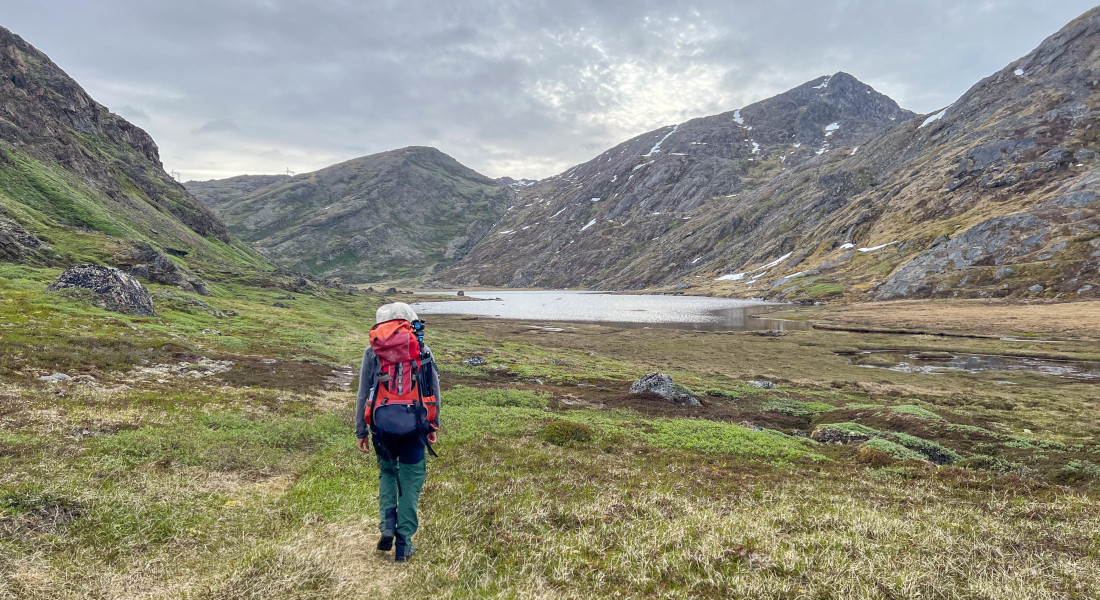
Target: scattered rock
column 662, row 385
column 341, row 377
column 1035, row 289
column 562, row 363
column 86, row 380
column 475, row 361
column 766, row 385
column 211, row 332
column 55, row 378
column 112, row 289
column 201, row 368
column 280, row 305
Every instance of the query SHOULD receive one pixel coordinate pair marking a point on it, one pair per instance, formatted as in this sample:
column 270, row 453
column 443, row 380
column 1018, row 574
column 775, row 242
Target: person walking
column 398, row 406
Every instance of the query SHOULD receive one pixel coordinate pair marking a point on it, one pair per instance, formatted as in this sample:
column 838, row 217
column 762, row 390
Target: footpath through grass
column 222, row 465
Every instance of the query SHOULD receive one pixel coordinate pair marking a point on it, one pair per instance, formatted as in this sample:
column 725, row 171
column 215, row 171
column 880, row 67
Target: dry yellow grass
column 988, row 317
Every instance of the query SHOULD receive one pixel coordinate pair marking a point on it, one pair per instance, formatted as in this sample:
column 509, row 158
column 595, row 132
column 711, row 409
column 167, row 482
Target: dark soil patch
column 290, row 375
column 40, row 513
column 651, row 404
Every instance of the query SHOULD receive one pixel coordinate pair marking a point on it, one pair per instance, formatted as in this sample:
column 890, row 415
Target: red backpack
column 398, row 404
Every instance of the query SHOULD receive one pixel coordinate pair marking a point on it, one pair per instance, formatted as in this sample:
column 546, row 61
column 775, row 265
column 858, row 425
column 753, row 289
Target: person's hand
column 364, row 445
column 431, row 437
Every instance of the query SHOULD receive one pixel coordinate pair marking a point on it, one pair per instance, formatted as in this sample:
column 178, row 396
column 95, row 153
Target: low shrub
column 566, row 433
column 895, row 450
column 934, row 451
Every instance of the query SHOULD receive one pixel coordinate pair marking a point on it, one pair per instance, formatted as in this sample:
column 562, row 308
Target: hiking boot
column 405, row 550
column 385, row 543
column 405, row 555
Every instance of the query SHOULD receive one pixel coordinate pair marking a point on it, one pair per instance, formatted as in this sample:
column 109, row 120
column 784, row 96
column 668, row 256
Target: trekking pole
column 418, row 330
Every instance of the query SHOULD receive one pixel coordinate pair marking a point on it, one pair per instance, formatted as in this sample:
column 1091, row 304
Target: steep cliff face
column 398, row 214
column 595, row 223
column 68, row 166
column 994, row 195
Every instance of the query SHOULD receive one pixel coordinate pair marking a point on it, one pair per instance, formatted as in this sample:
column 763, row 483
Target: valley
column 912, row 415
column 211, row 457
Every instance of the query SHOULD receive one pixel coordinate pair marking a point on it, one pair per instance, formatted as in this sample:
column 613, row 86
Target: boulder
column 764, row 385
column 835, row 435
column 55, row 378
column 475, row 361
column 111, row 288
column 662, row 385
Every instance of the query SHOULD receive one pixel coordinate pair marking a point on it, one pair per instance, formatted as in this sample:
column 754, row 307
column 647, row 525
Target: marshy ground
column 208, row 453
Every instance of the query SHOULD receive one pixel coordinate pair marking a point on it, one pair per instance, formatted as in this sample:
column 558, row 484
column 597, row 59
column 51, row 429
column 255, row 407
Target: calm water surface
column 623, row 310
column 976, row 363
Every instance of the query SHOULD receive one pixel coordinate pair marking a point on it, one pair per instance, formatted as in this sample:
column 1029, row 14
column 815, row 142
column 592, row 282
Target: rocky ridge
column 78, row 182
column 596, row 224
column 995, row 195
column 398, row 214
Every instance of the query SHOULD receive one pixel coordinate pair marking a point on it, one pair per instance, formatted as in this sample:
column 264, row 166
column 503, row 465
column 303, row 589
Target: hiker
column 398, row 403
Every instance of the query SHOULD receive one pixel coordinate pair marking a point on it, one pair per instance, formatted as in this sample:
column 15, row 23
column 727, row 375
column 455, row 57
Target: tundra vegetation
column 207, row 452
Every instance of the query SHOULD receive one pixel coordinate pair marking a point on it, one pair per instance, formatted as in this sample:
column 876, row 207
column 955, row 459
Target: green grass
column 247, row 483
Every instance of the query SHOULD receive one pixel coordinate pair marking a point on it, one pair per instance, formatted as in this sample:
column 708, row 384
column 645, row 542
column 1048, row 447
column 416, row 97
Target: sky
column 509, row 88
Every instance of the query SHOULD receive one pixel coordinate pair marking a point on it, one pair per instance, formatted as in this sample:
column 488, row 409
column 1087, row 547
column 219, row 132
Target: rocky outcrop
column 662, row 385
column 16, row 243
column 110, row 288
column 147, row 263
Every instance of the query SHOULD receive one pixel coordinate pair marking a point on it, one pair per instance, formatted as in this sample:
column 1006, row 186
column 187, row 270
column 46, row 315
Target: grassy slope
column 246, row 483
column 83, row 225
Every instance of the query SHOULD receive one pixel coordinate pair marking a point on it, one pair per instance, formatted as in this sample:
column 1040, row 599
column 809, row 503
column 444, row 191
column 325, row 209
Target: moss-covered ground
column 208, row 453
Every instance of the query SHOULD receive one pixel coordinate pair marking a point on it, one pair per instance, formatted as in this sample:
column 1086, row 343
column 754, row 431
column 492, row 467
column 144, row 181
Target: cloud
column 216, row 126
column 509, row 87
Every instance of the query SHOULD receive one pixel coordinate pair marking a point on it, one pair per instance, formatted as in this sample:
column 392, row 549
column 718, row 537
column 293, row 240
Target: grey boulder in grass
column 661, row 384
column 111, row 288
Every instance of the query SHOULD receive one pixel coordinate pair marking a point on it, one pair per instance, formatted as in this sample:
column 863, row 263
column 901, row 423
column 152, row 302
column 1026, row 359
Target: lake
column 620, row 310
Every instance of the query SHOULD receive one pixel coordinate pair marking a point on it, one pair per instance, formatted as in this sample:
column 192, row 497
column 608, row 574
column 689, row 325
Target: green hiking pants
column 398, row 494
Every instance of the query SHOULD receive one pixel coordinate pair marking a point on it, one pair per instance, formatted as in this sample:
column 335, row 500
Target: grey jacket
column 368, row 376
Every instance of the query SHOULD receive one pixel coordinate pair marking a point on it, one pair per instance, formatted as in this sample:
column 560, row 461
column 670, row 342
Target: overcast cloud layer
column 516, row 88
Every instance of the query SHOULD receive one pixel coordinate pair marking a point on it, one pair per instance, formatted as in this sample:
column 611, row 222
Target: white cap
column 393, row 311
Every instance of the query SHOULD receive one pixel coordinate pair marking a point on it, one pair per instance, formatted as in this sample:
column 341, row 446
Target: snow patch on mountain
column 879, row 247
column 933, row 118
column 732, row 277
column 775, row 262
column 657, row 147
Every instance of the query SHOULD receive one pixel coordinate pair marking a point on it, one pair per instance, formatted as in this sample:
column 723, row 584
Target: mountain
column 600, row 223
column 81, row 184
column 398, row 214
column 995, row 195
